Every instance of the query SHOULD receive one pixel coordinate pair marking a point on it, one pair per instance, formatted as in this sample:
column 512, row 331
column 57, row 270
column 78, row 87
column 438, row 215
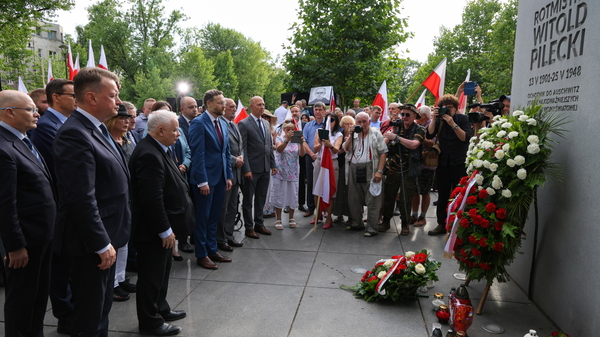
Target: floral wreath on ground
column 397, row 278
column 505, row 166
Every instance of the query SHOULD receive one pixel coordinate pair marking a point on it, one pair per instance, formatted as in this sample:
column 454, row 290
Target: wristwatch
column 455, row 127
column 380, row 171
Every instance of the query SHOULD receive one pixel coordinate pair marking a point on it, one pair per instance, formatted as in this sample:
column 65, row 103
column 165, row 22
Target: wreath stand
column 483, row 296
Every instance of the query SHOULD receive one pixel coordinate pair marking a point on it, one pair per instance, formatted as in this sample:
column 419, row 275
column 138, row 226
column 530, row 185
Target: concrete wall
column 567, row 276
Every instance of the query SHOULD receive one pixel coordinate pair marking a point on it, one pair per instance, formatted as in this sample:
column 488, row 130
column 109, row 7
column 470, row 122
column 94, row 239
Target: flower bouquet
column 489, row 207
column 558, row 334
column 397, row 278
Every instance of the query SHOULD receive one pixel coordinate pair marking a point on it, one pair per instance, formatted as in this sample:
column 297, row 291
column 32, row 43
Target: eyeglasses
column 124, row 118
column 30, row 110
column 66, row 93
column 405, row 114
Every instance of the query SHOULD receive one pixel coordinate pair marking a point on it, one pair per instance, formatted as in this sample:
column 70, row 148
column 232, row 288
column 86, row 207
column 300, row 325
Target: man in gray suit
column 257, row 168
column 225, row 239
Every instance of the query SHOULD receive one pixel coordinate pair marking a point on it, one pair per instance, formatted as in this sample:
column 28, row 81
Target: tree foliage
column 225, row 74
column 198, row 70
column 345, row 44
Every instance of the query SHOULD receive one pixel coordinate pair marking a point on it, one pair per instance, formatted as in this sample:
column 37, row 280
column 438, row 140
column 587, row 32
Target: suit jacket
column 210, row 159
column 160, row 193
column 184, row 125
column 27, row 203
column 258, row 150
column 236, row 149
column 43, row 137
column 93, row 188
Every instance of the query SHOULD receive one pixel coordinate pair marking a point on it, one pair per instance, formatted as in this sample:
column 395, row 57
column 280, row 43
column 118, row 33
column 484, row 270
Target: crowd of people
column 91, row 189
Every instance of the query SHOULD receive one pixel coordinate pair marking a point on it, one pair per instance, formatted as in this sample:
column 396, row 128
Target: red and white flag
column 21, row 86
column 91, row 63
column 76, row 66
column 70, row 64
column 382, row 100
column 462, row 102
column 421, row 100
column 50, row 76
column 240, row 113
column 325, row 185
column 435, row 81
column 332, row 102
column 102, row 64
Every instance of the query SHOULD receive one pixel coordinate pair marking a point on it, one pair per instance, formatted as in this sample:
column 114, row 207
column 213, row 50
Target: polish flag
column 102, row 64
column 91, row 63
column 76, row 66
column 435, row 81
column 50, row 76
column 332, row 102
column 21, row 87
column 240, row 112
column 462, row 102
column 421, row 100
column 70, row 64
column 381, row 99
column 325, row 185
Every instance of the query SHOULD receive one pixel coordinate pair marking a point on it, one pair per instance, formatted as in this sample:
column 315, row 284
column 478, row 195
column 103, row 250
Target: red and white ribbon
column 378, row 288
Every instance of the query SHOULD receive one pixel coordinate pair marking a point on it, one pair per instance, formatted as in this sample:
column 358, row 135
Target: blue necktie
column 32, row 148
column 108, row 137
column 260, row 126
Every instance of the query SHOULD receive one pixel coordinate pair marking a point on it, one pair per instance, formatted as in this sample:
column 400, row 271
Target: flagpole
column 411, row 96
column 317, row 213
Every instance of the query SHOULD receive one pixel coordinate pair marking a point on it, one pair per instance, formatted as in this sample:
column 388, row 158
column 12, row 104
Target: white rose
column 532, row 121
column 513, row 134
column 518, row 113
column 470, row 169
column 533, row 139
column 479, row 188
column 523, row 118
column 409, row 254
column 499, row 154
column 510, row 162
column 480, row 154
column 486, row 164
column 479, row 179
column 485, row 130
column 420, row 269
column 497, row 117
column 381, row 274
column 493, row 167
column 501, row 134
column 496, row 123
column 388, row 263
column 519, row 160
column 490, row 191
column 506, row 147
column 533, row 148
column 478, row 163
column 506, row 193
column 497, row 184
column 522, row 174
column 507, row 125
column 503, row 120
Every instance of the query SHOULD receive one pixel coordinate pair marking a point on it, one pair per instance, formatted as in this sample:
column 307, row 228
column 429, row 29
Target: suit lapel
column 211, row 128
column 21, row 147
column 168, row 160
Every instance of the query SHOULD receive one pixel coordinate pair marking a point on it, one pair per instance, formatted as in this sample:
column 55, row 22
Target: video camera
column 397, row 123
column 495, row 107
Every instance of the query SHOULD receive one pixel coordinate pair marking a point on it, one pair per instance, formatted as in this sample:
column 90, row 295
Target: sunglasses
column 405, row 114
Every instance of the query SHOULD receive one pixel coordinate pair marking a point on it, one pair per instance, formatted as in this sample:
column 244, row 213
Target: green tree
column 275, row 88
column 225, row 74
column 345, row 44
column 198, row 70
column 152, row 84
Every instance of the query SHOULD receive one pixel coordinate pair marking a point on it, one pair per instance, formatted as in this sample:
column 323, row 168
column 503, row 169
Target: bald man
column 27, row 214
column 189, row 111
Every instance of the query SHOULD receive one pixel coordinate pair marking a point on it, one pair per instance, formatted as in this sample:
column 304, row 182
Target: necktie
column 219, row 132
column 234, row 130
column 171, row 153
column 108, row 137
column 260, row 126
column 32, row 148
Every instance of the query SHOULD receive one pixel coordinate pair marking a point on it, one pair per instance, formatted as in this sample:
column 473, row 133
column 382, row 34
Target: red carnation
column 483, row 194
column 455, row 192
column 459, row 200
column 501, row 213
column 471, row 264
column 482, row 242
column 452, row 218
column 472, row 200
column 379, row 264
column 459, row 214
column 459, row 241
column 396, row 256
column 366, row 275
column 498, row 225
column 478, row 219
column 402, row 266
column 490, row 208
column 498, row 246
column 484, row 266
column 373, row 278
column 473, row 212
column 473, row 189
column 464, row 180
column 472, row 239
column 485, row 223
column 464, row 223
column 419, row 258
column 475, row 252
column 397, row 271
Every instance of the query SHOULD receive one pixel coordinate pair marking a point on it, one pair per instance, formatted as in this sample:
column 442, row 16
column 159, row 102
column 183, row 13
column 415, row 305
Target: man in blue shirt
column 309, row 131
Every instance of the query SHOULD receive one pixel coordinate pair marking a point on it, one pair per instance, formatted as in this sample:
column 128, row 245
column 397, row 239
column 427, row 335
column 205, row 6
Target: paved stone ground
column 287, row 284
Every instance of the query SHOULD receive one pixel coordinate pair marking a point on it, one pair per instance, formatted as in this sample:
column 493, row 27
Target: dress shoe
column 262, row 230
column 217, row 257
column 186, row 247
column 439, row 230
column 173, row 315
column 435, row 203
column 234, row 243
column 178, row 258
column 128, row 286
column 251, row 233
column 225, row 247
column 163, row 330
column 308, row 213
column 384, row 226
column 302, row 208
column 207, row 263
column 120, row 295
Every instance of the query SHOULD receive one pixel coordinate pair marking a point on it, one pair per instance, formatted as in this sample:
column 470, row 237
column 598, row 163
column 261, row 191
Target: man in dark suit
column 61, row 104
column 259, row 164
column 27, row 215
column 225, row 239
column 211, row 174
column 160, row 202
column 189, row 111
column 93, row 192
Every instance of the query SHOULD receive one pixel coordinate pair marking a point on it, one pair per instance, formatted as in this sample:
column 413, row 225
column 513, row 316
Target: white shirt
column 281, row 113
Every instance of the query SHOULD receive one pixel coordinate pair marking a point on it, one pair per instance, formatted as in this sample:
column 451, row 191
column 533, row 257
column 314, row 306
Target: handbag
column 431, row 155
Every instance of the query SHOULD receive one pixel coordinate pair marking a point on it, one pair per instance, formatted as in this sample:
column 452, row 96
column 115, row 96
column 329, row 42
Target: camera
column 442, row 111
column 495, row 107
column 397, row 123
column 358, row 129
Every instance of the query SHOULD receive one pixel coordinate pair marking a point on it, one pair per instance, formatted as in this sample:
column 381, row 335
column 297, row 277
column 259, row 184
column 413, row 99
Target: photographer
column 481, row 114
column 403, row 166
column 454, row 134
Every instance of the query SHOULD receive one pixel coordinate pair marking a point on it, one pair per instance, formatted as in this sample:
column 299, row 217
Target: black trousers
column 447, row 179
column 310, row 199
column 154, row 265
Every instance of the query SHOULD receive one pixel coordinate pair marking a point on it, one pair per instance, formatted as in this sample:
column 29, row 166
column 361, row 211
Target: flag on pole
column 381, row 99
column 70, row 64
column 462, row 102
column 76, row 66
column 21, row 87
column 435, row 81
column 332, row 102
column 91, row 63
column 421, row 100
column 325, row 185
column 240, row 113
column 102, row 64
column 50, row 76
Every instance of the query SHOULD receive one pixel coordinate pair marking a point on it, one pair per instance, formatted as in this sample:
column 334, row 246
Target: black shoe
column 186, row 247
column 163, row 330
column 120, row 295
column 234, row 243
column 302, row 208
column 177, row 258
column 439, row 230
column 128, row 286
column 63, row 328
column 396, row 211
column 435, row 203
column 174, row 315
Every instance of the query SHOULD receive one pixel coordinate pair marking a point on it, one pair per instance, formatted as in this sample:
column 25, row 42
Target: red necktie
column 219, row 132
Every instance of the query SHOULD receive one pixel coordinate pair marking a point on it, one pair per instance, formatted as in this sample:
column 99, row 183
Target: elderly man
column 142, row 119
column 160, row 202
column 367, row 151
column 259, row 165
column 27, row 215
column 393, row 111
column 403, row 167
column 189, row 111
column 93, row 192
